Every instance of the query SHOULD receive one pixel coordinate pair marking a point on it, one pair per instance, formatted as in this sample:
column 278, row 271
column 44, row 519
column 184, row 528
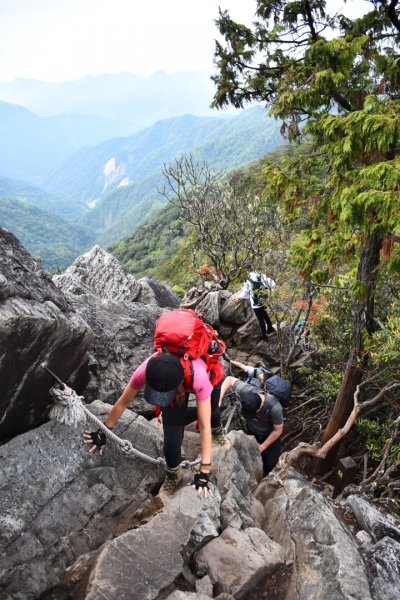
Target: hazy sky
column 57, row 40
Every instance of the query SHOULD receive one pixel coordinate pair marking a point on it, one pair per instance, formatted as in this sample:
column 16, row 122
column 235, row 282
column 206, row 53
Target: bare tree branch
column 306, row 449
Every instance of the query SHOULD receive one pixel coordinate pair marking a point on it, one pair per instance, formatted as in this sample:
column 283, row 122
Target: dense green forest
column 162, row 249
column 49, row 238
column 120, row 178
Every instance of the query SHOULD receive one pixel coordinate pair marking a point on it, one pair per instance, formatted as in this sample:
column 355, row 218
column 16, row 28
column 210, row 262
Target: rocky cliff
column 79, row 526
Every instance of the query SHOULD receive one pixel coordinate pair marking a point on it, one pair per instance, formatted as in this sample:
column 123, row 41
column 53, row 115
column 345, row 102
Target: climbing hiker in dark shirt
column 263, row 411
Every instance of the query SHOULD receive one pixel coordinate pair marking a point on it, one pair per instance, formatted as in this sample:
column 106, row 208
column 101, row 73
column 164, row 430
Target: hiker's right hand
column 200, row 483
column 97, row 439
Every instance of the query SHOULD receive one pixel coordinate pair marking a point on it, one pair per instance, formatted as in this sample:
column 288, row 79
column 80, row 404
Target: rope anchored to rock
column 70, row 410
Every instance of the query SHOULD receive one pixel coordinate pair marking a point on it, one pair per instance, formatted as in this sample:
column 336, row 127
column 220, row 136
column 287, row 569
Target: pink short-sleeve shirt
column 202, row 387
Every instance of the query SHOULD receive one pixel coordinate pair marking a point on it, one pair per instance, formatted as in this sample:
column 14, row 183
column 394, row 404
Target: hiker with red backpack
column 186, row 361
column 262, row 409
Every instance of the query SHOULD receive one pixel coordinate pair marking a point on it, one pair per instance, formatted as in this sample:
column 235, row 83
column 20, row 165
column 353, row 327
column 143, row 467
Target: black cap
column 250, row 403
column 163, row 375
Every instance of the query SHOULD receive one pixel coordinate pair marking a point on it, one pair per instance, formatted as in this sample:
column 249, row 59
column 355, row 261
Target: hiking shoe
column 171, row 481
column 219, row 438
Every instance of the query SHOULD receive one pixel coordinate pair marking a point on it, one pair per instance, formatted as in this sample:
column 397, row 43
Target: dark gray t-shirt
column 270, row 414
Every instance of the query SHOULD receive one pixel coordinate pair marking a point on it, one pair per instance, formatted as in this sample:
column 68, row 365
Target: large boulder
column 383, row 561
column 208, row 309
column 99, row 272
column 239, row 559
column 327, row 563
column 102, row 273
column 105, row 295
column 37, row 325
column 372, row 520
column 123, row 338
column 144, row 561
column 58, row 502
column 157, row 293
column 234, row 311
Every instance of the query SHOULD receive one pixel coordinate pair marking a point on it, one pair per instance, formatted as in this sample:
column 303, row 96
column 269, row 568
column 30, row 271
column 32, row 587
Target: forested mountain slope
column 93, row 172
column 49, row 237
column 120, row 178
column 30, row 146
column 38, row 197
column 161, row 248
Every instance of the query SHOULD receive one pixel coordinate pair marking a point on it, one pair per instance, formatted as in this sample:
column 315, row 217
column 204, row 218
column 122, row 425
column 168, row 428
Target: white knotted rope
column 70, row 410
column 230, row 417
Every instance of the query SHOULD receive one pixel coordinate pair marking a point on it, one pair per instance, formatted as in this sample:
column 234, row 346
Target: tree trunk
column 363, row 314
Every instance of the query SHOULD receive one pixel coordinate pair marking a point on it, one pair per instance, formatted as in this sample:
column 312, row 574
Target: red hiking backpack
column 184, row 333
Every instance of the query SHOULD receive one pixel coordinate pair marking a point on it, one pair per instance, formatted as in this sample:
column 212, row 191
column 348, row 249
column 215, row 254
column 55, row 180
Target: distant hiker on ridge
column 253, row 289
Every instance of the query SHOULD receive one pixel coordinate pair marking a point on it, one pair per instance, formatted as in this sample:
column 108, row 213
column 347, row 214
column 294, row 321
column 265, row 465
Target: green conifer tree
column 337, row 81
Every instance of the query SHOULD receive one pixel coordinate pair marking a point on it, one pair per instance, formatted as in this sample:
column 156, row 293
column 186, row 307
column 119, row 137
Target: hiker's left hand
column 200, row 483
column 97, row 439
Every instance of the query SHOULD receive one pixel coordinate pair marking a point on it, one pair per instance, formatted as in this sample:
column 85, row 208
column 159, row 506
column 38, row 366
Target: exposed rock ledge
column 94, row 527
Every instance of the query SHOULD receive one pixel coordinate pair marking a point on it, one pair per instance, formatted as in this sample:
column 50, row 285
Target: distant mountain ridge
column 30, row 146
column 106, row 191
column 120, row 177
column 141, row 101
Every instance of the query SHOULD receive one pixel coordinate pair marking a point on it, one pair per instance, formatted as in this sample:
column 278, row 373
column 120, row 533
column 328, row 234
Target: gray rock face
column 327, row 563
column 178, row 595
column 123, row 338
column 236, row 312
column 158, row 293
column 235, row 472
column 78, row 499
column 37, row 324
column 140, row 563
column 239, row 559
column 195, row 295
column 204, row 586
column 104, row 274
column 208, row 309
column 109, row 299
column 384, row 569
column 372, row 520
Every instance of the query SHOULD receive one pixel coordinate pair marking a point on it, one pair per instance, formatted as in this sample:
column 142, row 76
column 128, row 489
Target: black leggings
column 263, row 320
column 173, row 419
column 271, row 455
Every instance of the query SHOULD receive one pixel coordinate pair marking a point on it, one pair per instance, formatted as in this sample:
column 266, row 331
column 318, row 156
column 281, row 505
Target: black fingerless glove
column 99, row 438
column 201, row 480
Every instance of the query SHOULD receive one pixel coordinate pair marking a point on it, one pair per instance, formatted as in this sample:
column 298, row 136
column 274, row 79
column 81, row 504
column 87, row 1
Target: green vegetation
column 46, row 236
column 128, row 195
column 162, row 249
column 341, row 76
column 69, row 210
